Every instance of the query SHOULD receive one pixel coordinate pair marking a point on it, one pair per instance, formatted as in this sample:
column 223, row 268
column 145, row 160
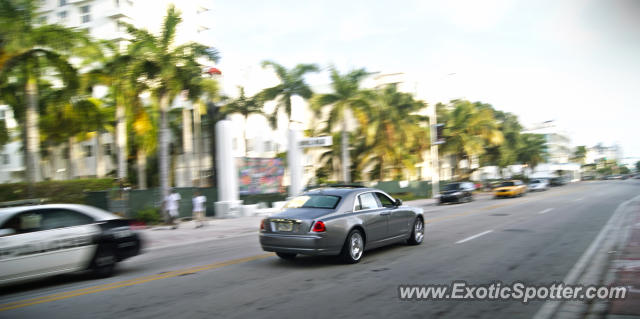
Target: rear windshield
column 452, row 187
column 313, row 201
column 506, row 184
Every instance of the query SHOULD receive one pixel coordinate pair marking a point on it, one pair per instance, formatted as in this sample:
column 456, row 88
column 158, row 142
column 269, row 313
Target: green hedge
column 72, row 191
column 267, row 198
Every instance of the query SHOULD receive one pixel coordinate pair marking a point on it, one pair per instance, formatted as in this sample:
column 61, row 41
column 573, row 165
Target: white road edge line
column 545, row 211
column 474, row 236
column 549, row 308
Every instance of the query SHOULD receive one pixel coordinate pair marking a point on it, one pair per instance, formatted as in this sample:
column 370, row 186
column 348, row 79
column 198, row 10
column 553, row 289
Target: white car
column 538, row 185
column 43, row 240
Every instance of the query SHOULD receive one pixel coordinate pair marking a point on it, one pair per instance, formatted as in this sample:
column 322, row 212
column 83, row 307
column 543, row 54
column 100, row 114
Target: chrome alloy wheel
column 418, row 231
column 356, row 246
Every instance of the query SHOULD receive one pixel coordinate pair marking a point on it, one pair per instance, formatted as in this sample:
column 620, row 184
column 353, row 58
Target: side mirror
column 7, row 232
column 398, row 202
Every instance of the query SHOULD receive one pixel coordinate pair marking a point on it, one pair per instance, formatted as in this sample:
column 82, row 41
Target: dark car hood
column 302, row 213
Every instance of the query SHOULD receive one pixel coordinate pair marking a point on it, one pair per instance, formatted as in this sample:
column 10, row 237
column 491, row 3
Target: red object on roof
column 214, row 71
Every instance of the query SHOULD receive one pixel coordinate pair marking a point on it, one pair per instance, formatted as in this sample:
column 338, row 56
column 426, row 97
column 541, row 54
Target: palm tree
column 30, row 50
column 292, row 83
column 533, row 150
column 580, row 154
column 395, row 138
column 144, row 129
column 506, row 153
column 346, row 96
column 167, row 69
column 244, row 106
column 468, row 130
column 114, row 71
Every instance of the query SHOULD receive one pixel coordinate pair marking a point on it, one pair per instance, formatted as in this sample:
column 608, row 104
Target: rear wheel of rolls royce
column 353, row 247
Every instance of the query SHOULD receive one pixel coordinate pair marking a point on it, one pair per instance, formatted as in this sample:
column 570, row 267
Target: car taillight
column 262, row 224
column 318, row 227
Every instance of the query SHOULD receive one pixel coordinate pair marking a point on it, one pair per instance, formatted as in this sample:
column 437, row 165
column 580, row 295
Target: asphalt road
column 534, row 239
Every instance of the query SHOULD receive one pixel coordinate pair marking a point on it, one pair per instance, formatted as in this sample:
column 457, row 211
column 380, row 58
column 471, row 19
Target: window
column 88, row 150
column 313, row 201
column 65, row 153
column 267, row 146
column 62, row 15
column 385, row 200
column 366, row 201
column 62, row 2
column 85, row 15
column 107, row 149
column 60, row 218
column 5, row 159
column 2, row 114
column 24, row 222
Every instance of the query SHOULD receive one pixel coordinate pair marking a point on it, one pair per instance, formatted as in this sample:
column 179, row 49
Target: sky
column 575, row 62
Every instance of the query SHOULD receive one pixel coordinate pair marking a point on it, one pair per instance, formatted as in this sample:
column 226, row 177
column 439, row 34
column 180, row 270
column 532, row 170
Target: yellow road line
column 126, row 283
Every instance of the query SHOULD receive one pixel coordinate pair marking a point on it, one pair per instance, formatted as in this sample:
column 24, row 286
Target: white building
column 601, row 152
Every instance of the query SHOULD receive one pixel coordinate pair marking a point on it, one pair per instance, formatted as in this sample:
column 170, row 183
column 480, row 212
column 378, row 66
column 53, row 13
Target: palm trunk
column 163, row 148
column 121, row 140
column 141, row 162
column 197, row 131
column 187, row 146
column 32, row 134
column 100, row 165
column 346, row 177
column 71, row 172
column 244, row 137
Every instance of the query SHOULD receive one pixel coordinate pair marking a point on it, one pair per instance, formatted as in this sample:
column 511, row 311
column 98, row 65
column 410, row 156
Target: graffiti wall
column 260, row 175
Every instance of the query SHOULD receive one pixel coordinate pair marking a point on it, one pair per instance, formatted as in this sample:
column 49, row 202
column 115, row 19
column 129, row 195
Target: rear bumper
column 504, row 194
column 449, row 199
column 298, row 244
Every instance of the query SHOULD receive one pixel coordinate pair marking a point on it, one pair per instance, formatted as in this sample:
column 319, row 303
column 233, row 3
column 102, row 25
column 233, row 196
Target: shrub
column 72, row 191
column 149, row 215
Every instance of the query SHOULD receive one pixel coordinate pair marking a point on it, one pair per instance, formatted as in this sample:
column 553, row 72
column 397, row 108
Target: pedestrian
column 199, row 208
column 171, row 205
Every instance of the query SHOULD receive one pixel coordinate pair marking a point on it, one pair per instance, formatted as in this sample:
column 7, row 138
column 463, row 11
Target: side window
column 24, row 222
column 368, row 201
column 385, row 200
column 60, row 218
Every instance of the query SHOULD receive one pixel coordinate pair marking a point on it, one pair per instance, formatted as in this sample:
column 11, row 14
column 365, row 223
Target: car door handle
column 385, row 213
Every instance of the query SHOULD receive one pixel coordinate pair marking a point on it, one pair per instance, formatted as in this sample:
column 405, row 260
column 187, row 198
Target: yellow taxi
column 510, row 189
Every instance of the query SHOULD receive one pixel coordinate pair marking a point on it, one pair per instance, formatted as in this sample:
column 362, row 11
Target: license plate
column 284, row 227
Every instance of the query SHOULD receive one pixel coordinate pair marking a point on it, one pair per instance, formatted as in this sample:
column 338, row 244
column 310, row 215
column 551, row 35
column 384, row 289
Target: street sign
column 316, row 141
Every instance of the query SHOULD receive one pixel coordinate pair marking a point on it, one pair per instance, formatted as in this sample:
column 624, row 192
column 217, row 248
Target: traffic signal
column 439, row 134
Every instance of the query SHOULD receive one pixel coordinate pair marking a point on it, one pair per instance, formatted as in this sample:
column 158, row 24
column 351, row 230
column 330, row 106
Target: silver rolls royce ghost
column 344, row 221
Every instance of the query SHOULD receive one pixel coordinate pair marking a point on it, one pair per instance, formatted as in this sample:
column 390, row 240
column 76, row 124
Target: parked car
column 344, row 221
column 457, row 193
column 45, row 240
column 539, row 184
column 557, row 181
column 510, row 189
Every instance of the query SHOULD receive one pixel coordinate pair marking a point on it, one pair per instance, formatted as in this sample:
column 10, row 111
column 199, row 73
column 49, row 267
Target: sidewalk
column 627, row 271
